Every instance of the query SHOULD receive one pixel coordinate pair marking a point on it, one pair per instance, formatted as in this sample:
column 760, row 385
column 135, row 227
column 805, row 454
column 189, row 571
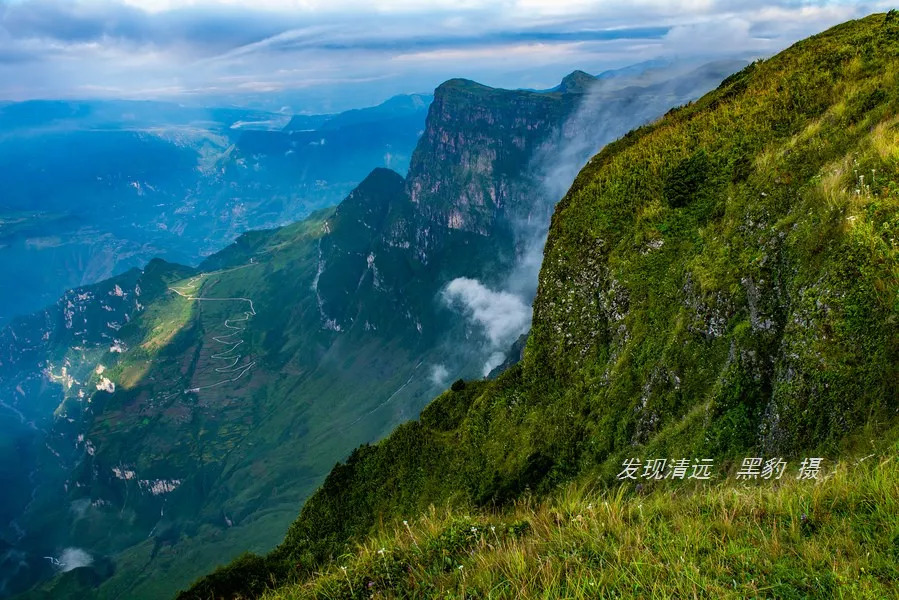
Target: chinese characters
column 752, row 468
column 662, row 468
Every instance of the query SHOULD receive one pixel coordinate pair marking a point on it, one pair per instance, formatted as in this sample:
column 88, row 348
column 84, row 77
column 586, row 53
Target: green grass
column 837, row 537
column 721, row 283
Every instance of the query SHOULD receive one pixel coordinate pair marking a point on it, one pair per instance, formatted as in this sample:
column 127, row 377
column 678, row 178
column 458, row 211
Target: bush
column 686, row 179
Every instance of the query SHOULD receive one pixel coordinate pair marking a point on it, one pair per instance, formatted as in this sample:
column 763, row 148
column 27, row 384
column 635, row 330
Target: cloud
column 439, row 375
column 74, row 558
column 110, row 23
column 354, row 52
column 502, row 316
column 495, row 360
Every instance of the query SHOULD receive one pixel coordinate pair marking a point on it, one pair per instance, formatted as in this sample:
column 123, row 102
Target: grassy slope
column 246, row 453
column 720, row 283
column 736, row 264
column 243, row 469
column 834, row 538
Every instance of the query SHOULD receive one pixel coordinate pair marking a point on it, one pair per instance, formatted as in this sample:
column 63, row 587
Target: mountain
column 721, row 541
column 171, row 417
column 330, row 154
column 92, row 189
column 720, row 283
column 395, row 109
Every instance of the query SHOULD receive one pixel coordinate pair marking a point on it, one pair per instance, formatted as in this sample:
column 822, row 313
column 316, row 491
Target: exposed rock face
column 131, row 359
column 469, row 183
column 353, row 247
column 721, row 283
column 482, row 182
column 232, row 389
column 470, row 170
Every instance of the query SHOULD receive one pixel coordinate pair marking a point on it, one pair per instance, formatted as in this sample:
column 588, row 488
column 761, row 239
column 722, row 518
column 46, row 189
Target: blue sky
column 313, row 55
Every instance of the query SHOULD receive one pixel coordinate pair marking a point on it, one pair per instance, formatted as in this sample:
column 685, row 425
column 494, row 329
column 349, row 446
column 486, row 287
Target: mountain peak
column 576, row 82
column 460, row 84
column 723, row 386
column 373, row 195
column 381, row 175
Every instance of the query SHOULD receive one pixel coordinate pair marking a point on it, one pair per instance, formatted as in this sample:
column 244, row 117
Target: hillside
column 168, row 419
column 727, row 541
column 721, row 283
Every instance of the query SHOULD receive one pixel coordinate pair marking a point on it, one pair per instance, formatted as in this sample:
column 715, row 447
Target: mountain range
column 721, row 283
column 92, row 189
column 171, row 417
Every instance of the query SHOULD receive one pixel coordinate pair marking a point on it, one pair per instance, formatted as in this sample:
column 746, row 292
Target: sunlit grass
column 718, row 283
column 836, row 537
column 167, row 316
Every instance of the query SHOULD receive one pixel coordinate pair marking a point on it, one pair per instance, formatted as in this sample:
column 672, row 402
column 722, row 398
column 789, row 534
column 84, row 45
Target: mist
column 439, row 375
column 501, row 315
column 74, row 558
column 614, row 105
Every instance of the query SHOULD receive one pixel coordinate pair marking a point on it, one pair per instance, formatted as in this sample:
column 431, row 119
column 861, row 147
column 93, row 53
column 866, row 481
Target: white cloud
column 311, row 6
column 359, row 52
column 495, row 360
column 439, row 375
column 542, row 53
column 501, row 315
column 73, row 558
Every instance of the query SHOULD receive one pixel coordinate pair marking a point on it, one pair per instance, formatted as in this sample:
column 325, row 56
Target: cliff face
column 735, row 277
column 470, row 169
column 233, row 388
column 719, row 284
column 146, row 400
column 482, row 182
column 469, row 184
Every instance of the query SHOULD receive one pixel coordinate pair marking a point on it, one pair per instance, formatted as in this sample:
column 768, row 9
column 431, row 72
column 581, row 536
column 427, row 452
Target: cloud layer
column 318, row 52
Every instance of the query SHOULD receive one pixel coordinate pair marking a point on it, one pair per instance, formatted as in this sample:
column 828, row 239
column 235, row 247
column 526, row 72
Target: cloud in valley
column 439, row 375
column 500, row 315
column 74, row 558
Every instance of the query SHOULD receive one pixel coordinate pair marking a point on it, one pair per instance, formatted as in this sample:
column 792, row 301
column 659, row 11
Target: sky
column 324, row 55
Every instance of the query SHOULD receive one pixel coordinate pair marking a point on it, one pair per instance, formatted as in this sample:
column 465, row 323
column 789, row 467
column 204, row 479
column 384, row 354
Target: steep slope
column 244, row 380
column 721, row 283
column 313, row 333
column 804, row 538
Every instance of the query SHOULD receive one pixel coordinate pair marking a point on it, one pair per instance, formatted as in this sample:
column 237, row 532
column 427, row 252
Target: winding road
column 230, row 355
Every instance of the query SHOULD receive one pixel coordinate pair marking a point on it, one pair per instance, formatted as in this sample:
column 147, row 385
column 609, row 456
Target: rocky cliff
column 718, row 284
column 216, row 403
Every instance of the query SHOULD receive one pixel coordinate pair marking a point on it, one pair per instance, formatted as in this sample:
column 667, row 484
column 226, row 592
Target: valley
column 720, row 284
column 95, row 188
column 417, row 300
column 190, row 410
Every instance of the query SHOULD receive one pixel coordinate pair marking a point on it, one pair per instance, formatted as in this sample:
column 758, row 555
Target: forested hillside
column 721, row 283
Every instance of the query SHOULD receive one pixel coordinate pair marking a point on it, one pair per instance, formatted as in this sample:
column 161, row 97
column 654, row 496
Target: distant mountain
column 310, row 147
column 94, row 188
column 721, row 283
column 306, row 122
column 398, row 107
column 176, row 412
column 33, row 116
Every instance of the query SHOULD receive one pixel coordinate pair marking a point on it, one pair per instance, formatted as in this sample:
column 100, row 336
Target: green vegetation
column 721, row 283
column 233, row 388
column 835, row 538
column 227, row 392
